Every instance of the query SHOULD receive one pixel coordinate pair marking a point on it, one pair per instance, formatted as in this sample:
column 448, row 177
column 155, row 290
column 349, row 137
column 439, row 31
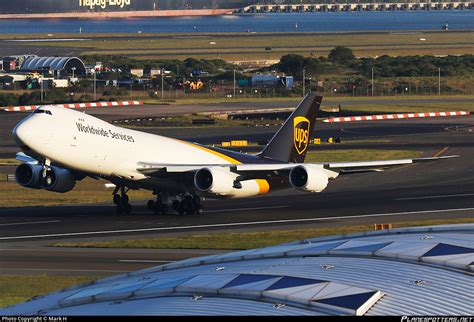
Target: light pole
column 95, row 85
column 73, row 69
column 372, row 81
column 41, row 80
column 234, row 83
column 162, row 87
column 439, row 80
column 304, row 82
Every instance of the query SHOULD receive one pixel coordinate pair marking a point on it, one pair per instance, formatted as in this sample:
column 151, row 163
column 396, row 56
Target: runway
column 435, row 190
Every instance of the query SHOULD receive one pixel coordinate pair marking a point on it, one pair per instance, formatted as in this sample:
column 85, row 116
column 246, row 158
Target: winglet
column 434, row 158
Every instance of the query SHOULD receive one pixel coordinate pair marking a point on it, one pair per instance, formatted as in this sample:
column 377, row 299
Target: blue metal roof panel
column 363, row 248
column 352, row 301
column 248, row 279
column 411, row 287
column 184, row 305
column 313, row 249
column 298, row 293
column 289, row 281
column 447, row 249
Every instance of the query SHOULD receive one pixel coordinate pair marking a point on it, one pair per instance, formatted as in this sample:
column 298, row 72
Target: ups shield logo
column 301, row 133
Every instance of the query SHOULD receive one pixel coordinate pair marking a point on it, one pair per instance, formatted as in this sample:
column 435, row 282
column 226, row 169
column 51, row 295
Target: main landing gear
column 187, row 204
column 122, row 201
column 158, row 207
column 182, row 204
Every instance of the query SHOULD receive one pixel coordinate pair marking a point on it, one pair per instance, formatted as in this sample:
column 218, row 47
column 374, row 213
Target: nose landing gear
column 122, row 201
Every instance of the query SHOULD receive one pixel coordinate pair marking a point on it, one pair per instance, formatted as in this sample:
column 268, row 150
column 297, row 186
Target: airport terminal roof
column 407, row 271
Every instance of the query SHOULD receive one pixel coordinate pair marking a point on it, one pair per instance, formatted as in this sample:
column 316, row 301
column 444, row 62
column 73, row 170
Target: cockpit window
column 43, row 111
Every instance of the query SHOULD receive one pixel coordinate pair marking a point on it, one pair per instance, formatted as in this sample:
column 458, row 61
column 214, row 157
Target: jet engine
column 308, row 178
column 58, row 180
column 28, row 175
column 214, row 180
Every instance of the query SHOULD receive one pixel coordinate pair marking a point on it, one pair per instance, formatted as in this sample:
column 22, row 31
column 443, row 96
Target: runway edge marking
column 234, row 224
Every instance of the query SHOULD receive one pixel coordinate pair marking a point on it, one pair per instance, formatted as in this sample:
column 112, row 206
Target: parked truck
column 260, row 80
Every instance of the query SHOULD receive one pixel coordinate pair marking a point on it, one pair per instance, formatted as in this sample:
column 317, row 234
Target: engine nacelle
column 214, row 180
column 28, row 175
column 58, row 180
column 308, row 178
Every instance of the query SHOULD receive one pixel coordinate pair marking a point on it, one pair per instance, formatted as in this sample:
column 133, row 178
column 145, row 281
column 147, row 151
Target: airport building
column 408, row 271
column 58, row 66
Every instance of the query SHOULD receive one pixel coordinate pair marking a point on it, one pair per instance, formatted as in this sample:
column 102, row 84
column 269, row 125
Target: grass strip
column 19, row 288
column 244, row 46
column 359, row 155
column 9, row 162
column 248, row 240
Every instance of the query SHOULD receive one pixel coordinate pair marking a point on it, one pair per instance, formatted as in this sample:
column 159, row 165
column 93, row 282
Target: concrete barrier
column 74, row 105
column 382, row 117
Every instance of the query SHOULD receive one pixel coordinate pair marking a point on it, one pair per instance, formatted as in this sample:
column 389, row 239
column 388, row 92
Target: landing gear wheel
column 150, row 205
column 181, row 208
column 48, row 180
column 157, row 206
column 175, row 205
column 189, row 205
column 197, row 205
column 121, row 200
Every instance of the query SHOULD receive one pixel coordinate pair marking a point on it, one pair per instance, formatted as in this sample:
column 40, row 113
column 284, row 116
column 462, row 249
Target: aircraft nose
column 22, row 133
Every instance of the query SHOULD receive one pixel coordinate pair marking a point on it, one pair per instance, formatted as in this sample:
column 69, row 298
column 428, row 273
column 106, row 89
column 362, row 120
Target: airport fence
column 329, row 88
column 332, row 86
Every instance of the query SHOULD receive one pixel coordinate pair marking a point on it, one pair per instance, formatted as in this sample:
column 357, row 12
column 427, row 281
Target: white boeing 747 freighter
column 61, row 146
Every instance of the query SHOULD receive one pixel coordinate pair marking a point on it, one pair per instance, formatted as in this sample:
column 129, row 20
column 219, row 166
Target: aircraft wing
column 256, row 170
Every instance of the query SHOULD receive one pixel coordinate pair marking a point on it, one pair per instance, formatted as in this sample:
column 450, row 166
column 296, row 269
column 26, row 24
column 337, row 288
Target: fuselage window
column 42, row 112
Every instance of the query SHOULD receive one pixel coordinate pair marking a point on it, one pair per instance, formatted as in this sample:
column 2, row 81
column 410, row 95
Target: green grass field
column 360, row 155
column 245, row 46
column 8, row 162
column 19, row 288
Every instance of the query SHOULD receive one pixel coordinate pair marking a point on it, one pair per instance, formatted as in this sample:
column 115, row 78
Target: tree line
column 342, row 59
